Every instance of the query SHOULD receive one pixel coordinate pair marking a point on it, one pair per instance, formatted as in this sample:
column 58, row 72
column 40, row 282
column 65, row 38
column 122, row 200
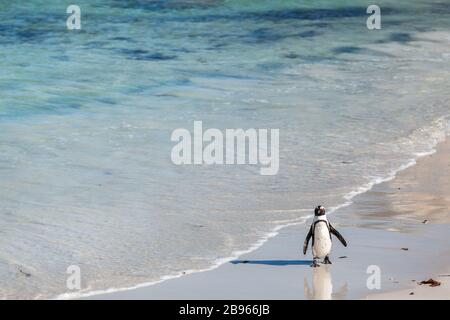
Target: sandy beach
column 399, row 226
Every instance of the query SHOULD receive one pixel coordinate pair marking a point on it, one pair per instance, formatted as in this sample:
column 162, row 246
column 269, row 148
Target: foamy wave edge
column 435, row 133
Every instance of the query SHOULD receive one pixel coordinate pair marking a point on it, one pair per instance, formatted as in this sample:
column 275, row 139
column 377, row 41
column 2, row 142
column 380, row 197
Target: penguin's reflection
column 322, row 285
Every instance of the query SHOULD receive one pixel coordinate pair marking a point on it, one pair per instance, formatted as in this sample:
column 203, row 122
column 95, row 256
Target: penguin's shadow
column 275, row 262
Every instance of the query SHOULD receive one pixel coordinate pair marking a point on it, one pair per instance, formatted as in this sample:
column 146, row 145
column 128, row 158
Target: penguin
column 321, row 231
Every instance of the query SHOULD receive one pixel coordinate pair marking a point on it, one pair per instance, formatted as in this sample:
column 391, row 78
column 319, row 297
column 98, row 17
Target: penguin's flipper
column 308, row 236
column 338, row 235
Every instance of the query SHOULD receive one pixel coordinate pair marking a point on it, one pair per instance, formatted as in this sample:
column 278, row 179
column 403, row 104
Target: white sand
column 419, row 292
column 279, row 271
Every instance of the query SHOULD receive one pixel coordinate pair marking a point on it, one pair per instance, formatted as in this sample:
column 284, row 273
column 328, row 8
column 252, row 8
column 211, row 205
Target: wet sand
column 386, row 231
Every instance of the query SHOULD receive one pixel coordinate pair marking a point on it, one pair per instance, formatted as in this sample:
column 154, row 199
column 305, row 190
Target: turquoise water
column 86, row 117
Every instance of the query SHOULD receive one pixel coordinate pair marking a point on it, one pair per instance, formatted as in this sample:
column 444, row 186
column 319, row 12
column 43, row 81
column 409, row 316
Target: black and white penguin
column 321, row 231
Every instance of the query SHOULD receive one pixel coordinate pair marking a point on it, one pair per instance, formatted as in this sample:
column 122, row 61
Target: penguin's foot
column 326, row 260
column 315, row 264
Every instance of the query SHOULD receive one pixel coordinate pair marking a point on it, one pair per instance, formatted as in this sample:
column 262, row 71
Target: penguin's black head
column 319, row 211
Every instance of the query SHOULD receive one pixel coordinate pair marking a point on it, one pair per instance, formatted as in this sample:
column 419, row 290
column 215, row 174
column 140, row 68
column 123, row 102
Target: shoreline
column 144, row 291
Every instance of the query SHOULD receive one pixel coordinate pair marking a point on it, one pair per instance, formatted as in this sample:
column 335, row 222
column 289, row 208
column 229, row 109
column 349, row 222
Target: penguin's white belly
column 322, row 241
